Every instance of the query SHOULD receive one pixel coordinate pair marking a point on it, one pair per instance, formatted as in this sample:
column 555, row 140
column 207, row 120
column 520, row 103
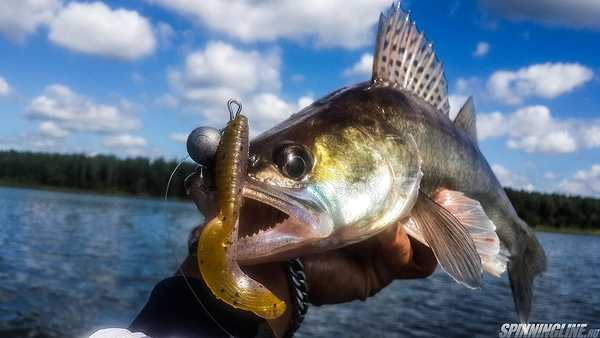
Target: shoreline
column 567, row 231
column 116, row 193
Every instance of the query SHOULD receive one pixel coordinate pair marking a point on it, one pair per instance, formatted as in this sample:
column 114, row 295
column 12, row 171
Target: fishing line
column 173, row 174
column 180, row 270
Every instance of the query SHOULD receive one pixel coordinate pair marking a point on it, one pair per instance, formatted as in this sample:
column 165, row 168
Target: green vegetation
column 560, row 213
column 103, row 174
column 141, row 176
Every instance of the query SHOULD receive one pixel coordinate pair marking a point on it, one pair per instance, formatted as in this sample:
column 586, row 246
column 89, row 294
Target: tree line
column 142, row 176
column 555, row 210
column 100, row 173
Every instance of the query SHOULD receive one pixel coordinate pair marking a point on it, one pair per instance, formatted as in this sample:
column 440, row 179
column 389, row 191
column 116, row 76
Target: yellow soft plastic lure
column 219, row 269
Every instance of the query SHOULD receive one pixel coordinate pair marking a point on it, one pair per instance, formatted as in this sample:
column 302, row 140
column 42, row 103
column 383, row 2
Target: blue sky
column 134, row 77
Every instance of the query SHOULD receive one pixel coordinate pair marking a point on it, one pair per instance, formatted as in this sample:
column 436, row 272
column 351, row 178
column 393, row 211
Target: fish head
column 332, row 177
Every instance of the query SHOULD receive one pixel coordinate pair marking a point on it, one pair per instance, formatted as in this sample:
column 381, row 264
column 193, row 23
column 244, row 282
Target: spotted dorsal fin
column 465, row 119
column 405, row 59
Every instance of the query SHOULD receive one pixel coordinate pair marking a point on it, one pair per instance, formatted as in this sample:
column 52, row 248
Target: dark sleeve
column 174, row 311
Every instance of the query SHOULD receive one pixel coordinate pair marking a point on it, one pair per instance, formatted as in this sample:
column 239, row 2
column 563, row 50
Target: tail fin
column 522, row 269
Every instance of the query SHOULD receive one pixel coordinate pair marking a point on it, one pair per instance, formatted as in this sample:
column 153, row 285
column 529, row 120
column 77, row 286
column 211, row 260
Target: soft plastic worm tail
column 216, row 246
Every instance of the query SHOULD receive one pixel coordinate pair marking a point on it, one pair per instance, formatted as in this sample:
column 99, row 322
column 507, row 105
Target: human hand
column 361, row 270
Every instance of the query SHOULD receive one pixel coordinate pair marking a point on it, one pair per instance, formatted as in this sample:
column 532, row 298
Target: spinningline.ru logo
column 559, row 330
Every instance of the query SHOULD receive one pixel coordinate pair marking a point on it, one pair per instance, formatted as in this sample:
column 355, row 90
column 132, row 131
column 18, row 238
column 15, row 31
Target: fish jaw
column 307, row 224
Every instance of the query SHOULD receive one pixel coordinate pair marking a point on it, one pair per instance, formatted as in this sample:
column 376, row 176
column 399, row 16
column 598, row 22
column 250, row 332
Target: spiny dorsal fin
column 405, row 59
column 465, row 119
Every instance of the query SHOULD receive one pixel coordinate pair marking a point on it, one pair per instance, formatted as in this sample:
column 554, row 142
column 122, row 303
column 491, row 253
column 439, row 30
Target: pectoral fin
column 480, row 227
column 449, row 240
column 482, row 230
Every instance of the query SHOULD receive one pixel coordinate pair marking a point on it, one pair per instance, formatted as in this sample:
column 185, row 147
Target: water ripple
column 72, row 263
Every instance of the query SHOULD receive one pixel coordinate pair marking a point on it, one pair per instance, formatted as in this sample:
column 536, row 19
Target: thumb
column 395, row 246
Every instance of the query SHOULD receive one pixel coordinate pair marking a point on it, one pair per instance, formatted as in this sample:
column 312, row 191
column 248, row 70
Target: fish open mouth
column 256, row 217
column 277, row 224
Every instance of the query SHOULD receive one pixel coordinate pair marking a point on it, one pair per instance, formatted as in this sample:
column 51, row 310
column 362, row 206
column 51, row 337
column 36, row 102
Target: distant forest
column 141, row 176
column 101, row 173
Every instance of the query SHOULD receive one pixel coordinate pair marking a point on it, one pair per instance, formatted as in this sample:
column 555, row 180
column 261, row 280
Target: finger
column 204, row 198
column 388, row 236
column 396, row 248
column 421, row 265
column 404, row 257
column 335, row 277
column 424, row 261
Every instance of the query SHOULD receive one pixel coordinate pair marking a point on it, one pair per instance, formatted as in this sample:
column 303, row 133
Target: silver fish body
column 450, row 158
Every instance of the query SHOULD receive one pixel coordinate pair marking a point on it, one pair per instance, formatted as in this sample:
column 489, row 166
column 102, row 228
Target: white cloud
column 465, row 84
column 179, row 137
column 362, row 68
column 573, row 13
column 552, row 142
column 35, row 141
column 4, row 87
column 481, row 49
column 547, row 80
column 73, row 112
column 456, row 102
column 304, row 102
column 468, row 86
column 335, row 23
column 534, row 130
column 491, row 125
column 211, row 76
column 52, row 129
column 265, row 110
column 591, row 135
column 584, row 182
column 94, row 28
column 125, row 141
column 220, row 65
column 510, row 179
column 19, row 18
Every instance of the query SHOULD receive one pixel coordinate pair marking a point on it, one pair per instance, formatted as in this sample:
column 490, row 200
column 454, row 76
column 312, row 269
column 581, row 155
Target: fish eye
column 293, row 160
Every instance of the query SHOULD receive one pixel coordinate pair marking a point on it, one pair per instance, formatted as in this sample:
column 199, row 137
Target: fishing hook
column 230, row 106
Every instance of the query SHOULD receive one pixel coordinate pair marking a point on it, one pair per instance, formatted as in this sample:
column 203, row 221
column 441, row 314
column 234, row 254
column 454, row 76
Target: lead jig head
column 202, row 142
column 202, row 145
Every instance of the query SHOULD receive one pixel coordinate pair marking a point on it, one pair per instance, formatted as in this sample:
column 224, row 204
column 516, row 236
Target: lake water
column 73, row 263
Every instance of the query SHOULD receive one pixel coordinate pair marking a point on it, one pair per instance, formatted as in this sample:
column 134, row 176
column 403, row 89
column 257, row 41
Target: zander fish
column 216, row 245
column 386, row 151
